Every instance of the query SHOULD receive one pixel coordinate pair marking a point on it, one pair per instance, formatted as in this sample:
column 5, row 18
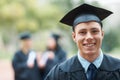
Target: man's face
column 51, row 44
column 88, row 37
column 27, row 43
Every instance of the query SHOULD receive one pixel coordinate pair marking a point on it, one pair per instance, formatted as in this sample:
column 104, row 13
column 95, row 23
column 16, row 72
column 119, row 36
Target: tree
column 110, row 41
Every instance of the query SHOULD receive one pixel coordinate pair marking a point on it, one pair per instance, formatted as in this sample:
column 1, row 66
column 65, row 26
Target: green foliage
column 110, row 41
column 4, row 55
column 28, row 15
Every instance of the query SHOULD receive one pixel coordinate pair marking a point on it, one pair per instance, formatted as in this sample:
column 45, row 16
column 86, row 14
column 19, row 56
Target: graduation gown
column 22, row 72
column 60, row 56
column 73, row 70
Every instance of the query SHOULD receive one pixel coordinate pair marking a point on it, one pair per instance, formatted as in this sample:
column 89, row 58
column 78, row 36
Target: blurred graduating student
column 24, row 60
column 52, row 56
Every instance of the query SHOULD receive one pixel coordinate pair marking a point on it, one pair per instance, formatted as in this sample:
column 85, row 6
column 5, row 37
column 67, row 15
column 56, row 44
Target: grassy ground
column 5, row 56
column 6, row 71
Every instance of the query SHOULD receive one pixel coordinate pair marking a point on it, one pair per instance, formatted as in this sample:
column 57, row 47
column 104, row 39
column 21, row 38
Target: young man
column 90, row 62
column 24, row 60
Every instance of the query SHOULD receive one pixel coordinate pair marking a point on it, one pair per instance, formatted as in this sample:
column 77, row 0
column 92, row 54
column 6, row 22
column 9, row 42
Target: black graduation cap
column 25, row 35
column 85, row 13
column 55, row 36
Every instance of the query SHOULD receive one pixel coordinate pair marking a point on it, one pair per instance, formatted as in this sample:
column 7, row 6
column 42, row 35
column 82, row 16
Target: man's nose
column 89, row 37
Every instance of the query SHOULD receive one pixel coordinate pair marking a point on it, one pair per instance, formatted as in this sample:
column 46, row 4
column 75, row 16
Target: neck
column 25, row 50
column 90, row 57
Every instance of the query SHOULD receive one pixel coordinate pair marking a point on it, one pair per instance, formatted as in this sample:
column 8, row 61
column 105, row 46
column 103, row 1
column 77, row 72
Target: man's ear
column 102, row 34
column 73, row 36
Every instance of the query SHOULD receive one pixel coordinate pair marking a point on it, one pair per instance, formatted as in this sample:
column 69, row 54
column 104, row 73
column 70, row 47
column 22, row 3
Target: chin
column 90, row 52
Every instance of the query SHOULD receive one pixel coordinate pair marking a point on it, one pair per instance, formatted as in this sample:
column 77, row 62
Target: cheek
column 29, row 43
column 52, row 44
column 79, row 41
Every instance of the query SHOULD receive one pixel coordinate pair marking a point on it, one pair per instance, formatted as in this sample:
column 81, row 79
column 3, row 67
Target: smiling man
column 90, row 62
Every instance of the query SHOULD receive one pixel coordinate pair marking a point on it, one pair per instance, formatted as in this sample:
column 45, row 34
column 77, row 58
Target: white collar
column 85, row 64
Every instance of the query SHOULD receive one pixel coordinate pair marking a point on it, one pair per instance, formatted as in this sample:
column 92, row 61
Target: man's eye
column 95, row 31
column 82, row 32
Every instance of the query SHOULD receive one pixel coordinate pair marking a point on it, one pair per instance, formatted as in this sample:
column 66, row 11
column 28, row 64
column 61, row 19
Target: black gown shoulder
column 71, row 69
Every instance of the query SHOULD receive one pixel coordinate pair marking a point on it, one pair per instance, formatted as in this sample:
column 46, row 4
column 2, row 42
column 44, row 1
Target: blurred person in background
column 24, row 61
column 53, row 55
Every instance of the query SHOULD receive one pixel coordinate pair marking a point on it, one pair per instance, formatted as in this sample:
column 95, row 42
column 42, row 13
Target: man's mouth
column 89, row 45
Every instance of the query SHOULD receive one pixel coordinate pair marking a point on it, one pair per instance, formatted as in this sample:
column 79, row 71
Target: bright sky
column 107, row 1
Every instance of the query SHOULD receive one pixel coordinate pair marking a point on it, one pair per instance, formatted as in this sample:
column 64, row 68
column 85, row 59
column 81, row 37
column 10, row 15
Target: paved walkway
column 6, row 71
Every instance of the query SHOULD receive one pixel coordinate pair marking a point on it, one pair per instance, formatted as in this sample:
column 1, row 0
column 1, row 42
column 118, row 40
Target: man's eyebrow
column 82, row 29
column 94, row 28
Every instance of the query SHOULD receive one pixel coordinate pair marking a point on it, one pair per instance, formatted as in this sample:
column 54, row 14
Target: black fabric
column 86, row 18
column 60, row 56
column 55, row 36
column 91, row 72
column 69, row 18
column 73, row 70
column 22, row 72
column 25, row 35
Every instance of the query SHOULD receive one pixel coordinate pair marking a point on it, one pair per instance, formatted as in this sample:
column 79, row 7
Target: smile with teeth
column 89, row 45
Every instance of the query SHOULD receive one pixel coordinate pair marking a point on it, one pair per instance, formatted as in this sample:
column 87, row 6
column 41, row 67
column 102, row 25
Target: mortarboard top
column 25, row 35
column 85, row 13
column 55, row 36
